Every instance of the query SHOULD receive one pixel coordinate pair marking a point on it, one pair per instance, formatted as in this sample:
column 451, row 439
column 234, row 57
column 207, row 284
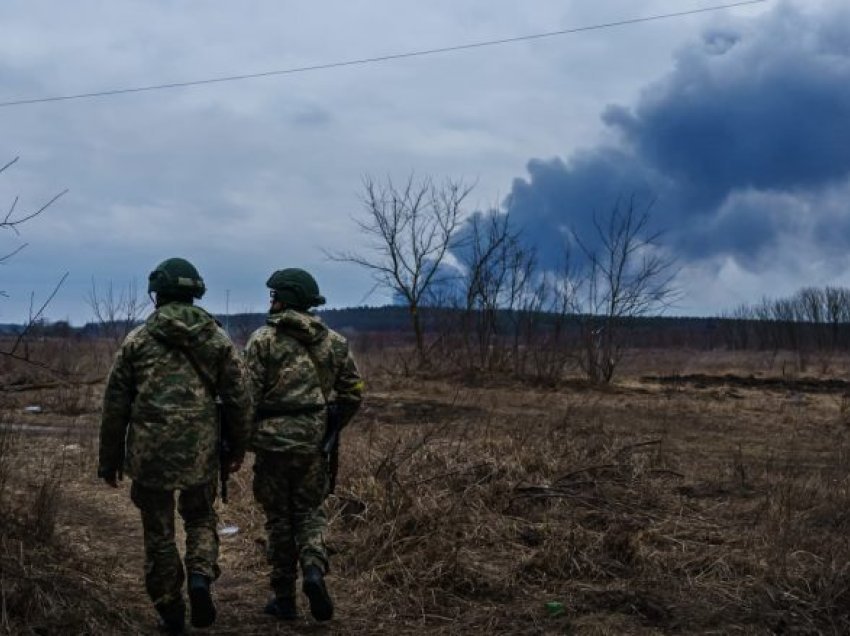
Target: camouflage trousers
column 164, row 575
column 291, row 489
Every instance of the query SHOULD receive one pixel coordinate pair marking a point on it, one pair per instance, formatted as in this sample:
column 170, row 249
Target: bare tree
column 116, row 312
column 837, row 301
column 410, row 229
column 484, row 255
column 503, row 293
column 736, row 327
column 626, row 277
column 522, row 296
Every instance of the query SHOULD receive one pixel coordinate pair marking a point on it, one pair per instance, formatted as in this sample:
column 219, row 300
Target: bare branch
column 13, row 223
column 9, row 255
column 116, row 313
column 410, row 229
column 34, row 318
column 627, row 277
column 10, row 163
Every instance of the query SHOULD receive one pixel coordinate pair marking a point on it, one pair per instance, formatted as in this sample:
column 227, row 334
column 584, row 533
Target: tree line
column 510, row 313
column 813, row 323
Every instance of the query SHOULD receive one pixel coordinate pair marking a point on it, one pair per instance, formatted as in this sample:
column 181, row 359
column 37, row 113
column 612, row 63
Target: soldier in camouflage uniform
column 298, row 368
column 160, row 424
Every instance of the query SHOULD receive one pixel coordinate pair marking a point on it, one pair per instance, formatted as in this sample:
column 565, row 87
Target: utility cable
column 372, row 60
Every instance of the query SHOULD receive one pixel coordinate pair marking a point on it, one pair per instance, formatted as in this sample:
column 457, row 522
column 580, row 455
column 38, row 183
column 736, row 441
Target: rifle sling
column 312, row 354
column 208, row 382
column 205, row 379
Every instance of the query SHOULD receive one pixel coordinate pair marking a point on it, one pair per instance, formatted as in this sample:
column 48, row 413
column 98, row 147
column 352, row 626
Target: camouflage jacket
column 160, row 411
column 295, row 366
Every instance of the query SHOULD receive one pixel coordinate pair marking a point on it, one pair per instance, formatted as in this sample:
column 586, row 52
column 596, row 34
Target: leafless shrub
column 19, row 351
column 116, row 311
column 47, row 501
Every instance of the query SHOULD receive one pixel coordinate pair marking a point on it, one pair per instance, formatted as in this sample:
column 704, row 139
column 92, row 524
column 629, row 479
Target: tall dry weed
column 6, row 462
column 47, row 502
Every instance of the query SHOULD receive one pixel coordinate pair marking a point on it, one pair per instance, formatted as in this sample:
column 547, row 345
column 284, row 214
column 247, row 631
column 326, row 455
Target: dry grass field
column 702, row 493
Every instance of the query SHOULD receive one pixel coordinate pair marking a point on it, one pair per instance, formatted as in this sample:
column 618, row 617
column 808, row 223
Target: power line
column 372, row 60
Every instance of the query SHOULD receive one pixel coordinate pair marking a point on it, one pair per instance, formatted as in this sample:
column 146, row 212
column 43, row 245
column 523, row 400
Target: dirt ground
column 702, row 495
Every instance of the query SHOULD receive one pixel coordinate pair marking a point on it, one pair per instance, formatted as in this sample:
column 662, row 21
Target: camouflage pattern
column 291, row 489
column 288, row 393
column 164, row 575
column 157, row 408
column 296, row 365
column 160, row 424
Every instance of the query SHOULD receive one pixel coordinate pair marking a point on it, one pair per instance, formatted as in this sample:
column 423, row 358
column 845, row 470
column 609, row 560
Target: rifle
column 225, row 451
column 224, row 466
column 330, row 443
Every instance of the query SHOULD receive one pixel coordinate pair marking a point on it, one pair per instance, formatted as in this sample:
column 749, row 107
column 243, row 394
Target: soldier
column 160, row 424
column 300, row 371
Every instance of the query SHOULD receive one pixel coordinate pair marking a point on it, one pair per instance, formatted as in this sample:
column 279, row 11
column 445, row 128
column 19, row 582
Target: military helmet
column 295, row 287
column 176, row 277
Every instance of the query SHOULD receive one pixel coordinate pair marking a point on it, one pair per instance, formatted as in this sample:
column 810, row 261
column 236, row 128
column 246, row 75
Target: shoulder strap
column 208, row 382
column 325, row 390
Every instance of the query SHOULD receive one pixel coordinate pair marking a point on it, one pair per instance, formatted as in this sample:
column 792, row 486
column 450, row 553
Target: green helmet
column 176, row 277
column 296, row 288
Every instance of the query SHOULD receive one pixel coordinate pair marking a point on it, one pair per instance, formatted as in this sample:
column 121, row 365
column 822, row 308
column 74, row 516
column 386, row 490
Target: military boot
column 282, row 607
column 313, row 585
column 172, row 617
column 200, row 600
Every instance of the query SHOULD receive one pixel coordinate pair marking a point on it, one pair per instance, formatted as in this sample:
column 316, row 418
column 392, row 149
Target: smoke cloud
column 744, row 145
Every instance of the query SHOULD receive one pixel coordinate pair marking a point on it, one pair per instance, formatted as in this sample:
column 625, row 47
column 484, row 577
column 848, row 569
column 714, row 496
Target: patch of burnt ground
column 799, row 385
column 419, row 411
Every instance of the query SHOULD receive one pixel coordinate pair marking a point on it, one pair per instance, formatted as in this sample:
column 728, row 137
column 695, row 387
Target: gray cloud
column 312, row 116
column 247, row 177
column 739, row 144
column 558, row 198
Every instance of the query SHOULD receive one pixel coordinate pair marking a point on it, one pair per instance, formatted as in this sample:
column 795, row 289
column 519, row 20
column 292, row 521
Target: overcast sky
column 737, row 122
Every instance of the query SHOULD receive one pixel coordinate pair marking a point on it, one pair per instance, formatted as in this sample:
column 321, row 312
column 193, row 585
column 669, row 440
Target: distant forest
column 389, row 319
column 813, row 319
column 395, row 320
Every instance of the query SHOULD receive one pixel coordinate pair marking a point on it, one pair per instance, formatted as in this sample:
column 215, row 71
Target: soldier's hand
column 234, row 464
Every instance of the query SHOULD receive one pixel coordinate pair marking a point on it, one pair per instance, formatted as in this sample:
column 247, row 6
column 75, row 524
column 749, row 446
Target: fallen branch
column 23, row 388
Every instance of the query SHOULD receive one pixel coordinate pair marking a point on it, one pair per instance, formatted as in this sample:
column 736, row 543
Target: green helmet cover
column 295, row 287
column 176, row 277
